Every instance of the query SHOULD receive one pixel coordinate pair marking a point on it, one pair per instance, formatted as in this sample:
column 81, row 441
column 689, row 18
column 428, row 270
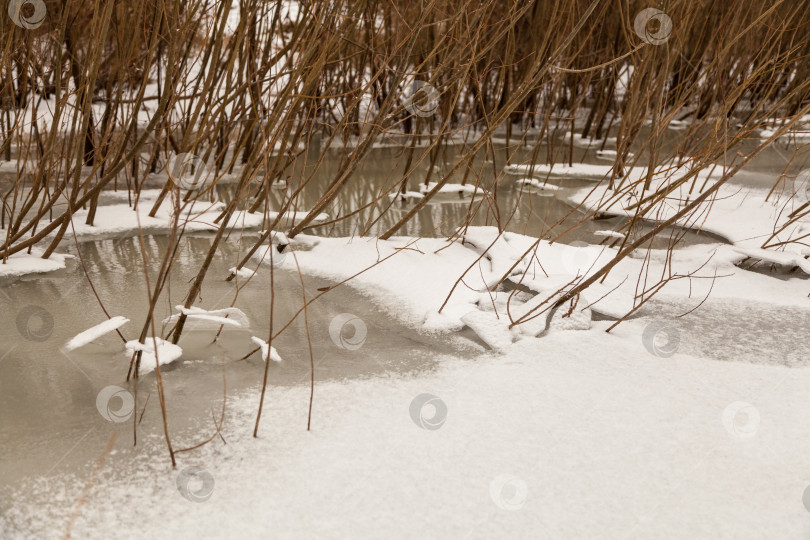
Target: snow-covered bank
column 122, row 220
column 117, row 220
column 582, row 171
column 800, row 133
column 468, row 190
column 748, row 217
column 578, row 435
column 595, row 173
column 23, row 263
column 415, row 276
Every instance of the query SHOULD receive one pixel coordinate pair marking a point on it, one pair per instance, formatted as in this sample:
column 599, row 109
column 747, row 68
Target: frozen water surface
column 632, row 434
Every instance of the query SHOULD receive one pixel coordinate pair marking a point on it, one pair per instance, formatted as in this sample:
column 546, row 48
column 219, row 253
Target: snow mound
column 407, row 195
column 571, row 316
column 799, row 133
column 492, row 330
column 24, row 263
column 585, row 142
column 609, row 234
column 535, row 322
column 166, row 353
column 611, row 155
column 432, row 285
column 243, row 273
column 266, row 349
column 537, row 184
column 719, row 214
column 497, row 251
column 584, row 171
column 460, row 189
column 92, row 334
column 208, row 319
column 121, row 220
column 782, row 258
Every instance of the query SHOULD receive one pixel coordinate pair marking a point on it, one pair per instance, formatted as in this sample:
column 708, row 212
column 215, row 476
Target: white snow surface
column 492, row 330
column 464, row 189
column 585, row 142
column 210, row 319
column 594, row 173
column 242, row 273
column 120, row 220
column 537, row 184
column 584, row 171
column 744, row 215
column 23, row 263
column 406, row 195
column 609, row 234
column 783, row 258
column 92, row 334
column 166, row 353
column 576, row 435
column 800, row 132
column 612, row 155
column 266, row 350
column 415, row 276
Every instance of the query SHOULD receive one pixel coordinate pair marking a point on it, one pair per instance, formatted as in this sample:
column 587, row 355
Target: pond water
column 49, row 421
